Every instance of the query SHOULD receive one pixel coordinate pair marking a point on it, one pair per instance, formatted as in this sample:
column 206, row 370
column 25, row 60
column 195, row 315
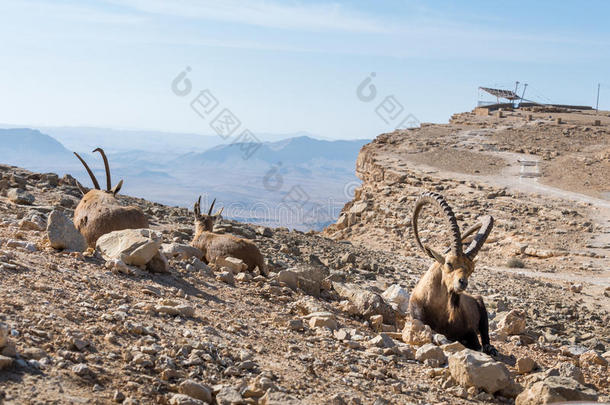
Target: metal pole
column 597, row 103
column 523, row 94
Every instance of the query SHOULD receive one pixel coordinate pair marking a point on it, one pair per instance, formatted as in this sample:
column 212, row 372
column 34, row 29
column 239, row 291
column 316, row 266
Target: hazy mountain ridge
column 255, row 188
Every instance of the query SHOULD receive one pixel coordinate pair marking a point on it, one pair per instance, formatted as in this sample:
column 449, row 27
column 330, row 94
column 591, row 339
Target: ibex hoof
column 489, row 349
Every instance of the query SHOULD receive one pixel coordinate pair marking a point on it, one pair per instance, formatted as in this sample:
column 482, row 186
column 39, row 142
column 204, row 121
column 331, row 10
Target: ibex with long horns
column 215, row 246
column 438, row 299
column 99, row 211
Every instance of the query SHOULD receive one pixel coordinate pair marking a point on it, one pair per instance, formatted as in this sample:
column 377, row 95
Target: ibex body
column 215, row 246
column 438, row 299
column 99, row 212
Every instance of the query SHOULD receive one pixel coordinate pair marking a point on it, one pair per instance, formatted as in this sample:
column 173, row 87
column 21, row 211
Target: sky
column 288, row 66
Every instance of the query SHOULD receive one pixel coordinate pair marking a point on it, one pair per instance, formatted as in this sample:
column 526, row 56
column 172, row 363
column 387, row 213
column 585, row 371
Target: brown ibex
column 99, row 212
column 215, row 246
column 438, row 299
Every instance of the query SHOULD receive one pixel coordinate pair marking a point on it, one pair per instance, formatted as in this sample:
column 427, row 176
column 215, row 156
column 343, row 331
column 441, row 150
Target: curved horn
column 197, row 208
column 212, row 207
column 466, row 234
column 108, row 182
column 486, row 225
column 437, row 200
column 93, row 179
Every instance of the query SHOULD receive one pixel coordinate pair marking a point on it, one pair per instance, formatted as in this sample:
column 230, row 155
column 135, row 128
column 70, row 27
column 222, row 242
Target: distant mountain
column 298, row 151
column 31, row 148
column 299, row 182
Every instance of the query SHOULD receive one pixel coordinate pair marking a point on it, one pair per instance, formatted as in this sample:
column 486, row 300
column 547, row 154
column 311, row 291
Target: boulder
column 430, row 351
column 513, row 323
column 134, row 247
column 20, row 196
column 590, row 358
column 366, row 303
column 181, row 251
column 470, row 368
column 398, row 297
column 417, row 333
column 196, row 390
column 555, row 389
column 63, row 234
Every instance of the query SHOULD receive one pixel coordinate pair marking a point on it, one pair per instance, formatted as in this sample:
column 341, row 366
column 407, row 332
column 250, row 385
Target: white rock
column 181, row 251
column 416, row 333
column 182, row 399
column 430, row 351
column 63, row 234
column 232, row 263
column 133, row 246
column 555, row 389
column 397, row 296
column 513, row 323
column 470, row 368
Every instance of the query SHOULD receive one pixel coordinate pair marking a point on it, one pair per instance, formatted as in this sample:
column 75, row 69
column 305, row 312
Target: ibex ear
column 437, row 256
column 117, row 188
column 219, row 212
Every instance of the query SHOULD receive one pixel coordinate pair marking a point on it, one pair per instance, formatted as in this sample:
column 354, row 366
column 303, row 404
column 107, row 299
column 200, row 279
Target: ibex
column 99, row 211
column 215, row 246
column 438, row 299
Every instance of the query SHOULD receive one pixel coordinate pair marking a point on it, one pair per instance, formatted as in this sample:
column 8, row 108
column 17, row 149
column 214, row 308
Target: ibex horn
column 108, row 182
column 93, row 179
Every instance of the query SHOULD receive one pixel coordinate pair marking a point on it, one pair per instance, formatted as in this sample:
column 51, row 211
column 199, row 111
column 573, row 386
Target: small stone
column 576, row 288
column 513, row 323
column 182, row 399
column 398, row 297
column 323, row 322
column 296, row 324
column 525, row 365
column 382, row 340
column 416, row 333
column 453, row 347
column 232, row 263
column 592, row 358
column 33, row 353
column 134, row 247
column 290, row 278
column 81, row 370
column 228, row 396
column 570, row 370
column 430, row 351
column 226, row 277
column 196, row 390
column 20, row 196
column 118, row 396
column 376, row 322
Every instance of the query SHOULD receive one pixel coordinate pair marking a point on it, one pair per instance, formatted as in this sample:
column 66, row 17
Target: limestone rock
column 513, row 323
column 20, row 196
column 133, row 246
column 555, row 389
column 416, row 333
column 182, row 399
column 181, row 251
column 430, row 351
column 5, row 362
column 525, row 365
column 63, row 234
column 232, row 263
column 278, row 398
column 158, row 264
column 228, row 396
column 398, row 297
column 592, row 358
column 475, row 369
column 196, row 390
column 366, row 303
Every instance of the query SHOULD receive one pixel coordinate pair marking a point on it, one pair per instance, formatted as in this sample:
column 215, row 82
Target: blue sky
column 287, row 66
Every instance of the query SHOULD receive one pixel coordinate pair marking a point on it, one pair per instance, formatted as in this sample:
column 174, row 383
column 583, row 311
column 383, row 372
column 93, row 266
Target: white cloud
column 292, row 15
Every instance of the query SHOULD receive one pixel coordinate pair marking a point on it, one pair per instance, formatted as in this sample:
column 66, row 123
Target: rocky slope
column 326, row 326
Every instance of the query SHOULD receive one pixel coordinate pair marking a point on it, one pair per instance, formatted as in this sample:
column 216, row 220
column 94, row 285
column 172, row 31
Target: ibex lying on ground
column 438, row 299
column 215, row 246
column 99, row 212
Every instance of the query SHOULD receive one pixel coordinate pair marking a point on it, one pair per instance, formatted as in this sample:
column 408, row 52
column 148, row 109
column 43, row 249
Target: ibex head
column 456, row 265
column 205, row 222
column 96, row 185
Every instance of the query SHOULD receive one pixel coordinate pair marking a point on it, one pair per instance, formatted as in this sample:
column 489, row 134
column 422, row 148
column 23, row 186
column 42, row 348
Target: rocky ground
column 328, row 324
